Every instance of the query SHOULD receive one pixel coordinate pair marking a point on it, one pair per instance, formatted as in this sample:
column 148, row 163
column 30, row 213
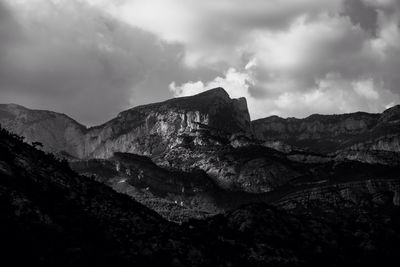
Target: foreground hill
column 52, row 216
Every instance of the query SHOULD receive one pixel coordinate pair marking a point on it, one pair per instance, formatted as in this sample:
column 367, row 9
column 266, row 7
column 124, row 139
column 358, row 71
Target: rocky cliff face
column 145, row 130
column 356, row 136
column 153, row 129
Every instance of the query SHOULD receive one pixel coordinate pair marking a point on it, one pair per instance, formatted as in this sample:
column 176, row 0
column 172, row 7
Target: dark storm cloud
column 79, row 60
column 362, row 14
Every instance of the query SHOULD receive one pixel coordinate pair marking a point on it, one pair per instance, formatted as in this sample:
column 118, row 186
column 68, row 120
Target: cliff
column 146, row 130
column 357, row 136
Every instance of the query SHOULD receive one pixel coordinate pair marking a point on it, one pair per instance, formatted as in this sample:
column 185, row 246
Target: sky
column 92, row 59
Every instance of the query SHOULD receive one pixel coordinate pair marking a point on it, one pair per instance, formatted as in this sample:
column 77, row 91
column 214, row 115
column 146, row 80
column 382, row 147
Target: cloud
column 340, row 58
column 288, row 57
column 214, row 32
column 75, row 58
column 331, row 95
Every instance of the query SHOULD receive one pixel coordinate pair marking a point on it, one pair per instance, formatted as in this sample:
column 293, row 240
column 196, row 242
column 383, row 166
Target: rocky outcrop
column 153, row 129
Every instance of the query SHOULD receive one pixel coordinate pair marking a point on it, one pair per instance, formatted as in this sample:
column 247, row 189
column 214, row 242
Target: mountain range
column 202, row 155
column 193, row 181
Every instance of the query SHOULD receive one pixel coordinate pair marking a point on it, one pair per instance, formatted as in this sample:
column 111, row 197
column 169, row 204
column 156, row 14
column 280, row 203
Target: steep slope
column 173, row 194
column 57, row 132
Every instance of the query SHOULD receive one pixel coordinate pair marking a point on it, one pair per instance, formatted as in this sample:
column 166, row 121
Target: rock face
column 153, row 129
column 145, row 130
column 359, row 136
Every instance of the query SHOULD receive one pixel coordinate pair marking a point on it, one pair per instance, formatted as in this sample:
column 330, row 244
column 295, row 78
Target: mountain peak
column 219, row 91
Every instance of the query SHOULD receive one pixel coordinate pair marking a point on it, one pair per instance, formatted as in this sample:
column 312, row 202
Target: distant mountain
column 51, row 216
column 57, row 132
column 371, row 138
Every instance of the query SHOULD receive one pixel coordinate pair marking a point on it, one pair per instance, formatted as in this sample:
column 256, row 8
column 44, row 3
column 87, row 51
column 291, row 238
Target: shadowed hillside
column 52, row 216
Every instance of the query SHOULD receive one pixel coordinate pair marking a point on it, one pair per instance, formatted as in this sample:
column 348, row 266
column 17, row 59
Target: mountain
column 57, row 132
column 196, row 156
column 371, row 138
column 153, row 129
column 146, row 130
column 52, row 216
column 205, row 131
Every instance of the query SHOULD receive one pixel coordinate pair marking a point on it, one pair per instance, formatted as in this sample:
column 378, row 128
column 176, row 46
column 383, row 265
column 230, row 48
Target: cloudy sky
column 92, row 59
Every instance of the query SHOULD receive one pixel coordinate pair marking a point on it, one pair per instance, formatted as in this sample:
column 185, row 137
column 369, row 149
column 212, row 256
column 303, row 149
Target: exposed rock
column 357, row 136
column 153, row 129
column 145, row 130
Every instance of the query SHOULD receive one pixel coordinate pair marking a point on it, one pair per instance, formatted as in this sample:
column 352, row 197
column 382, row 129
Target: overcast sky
column 92, row 59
